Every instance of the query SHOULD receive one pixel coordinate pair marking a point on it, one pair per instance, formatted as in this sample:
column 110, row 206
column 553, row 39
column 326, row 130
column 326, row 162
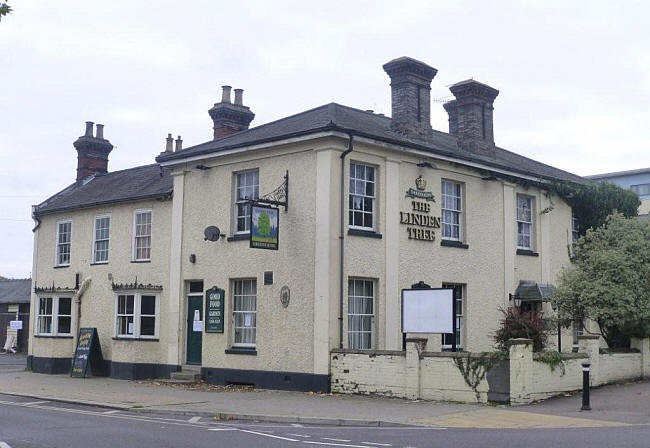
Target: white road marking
column 223, row 429
column 296, row 425
column 298, row 435
column 269, row 435
column 334, row 444
column 4, row 445
column 336, row 440
column 376, row 444
column 114, row 411
column 33, row 403
column 194, row 419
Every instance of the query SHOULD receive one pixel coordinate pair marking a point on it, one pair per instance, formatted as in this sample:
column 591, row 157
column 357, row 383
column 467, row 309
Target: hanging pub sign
column 264, row 225
column 214, row 302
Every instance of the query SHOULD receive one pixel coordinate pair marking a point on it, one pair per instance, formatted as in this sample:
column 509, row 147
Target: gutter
column 342, row 238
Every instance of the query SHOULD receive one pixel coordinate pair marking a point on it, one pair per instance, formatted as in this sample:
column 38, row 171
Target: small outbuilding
column 15, row 295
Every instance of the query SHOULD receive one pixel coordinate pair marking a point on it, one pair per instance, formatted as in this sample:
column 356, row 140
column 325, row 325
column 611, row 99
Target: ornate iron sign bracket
column 279, row 196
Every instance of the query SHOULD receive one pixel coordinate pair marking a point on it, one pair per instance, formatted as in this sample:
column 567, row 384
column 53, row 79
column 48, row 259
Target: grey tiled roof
column 15, row 291
column 142, row 182
column 337, row 117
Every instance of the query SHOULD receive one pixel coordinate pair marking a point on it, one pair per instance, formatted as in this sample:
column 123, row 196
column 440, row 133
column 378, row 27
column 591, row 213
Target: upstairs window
column 63, row 240
column 247, row 189
column 142, row 235
column 451, row 210
column 575, row 234
column 362, row 197
column 524, row 222
column 102, row 235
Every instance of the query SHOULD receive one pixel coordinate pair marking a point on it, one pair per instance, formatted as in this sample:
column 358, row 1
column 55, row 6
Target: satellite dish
column 212, row 233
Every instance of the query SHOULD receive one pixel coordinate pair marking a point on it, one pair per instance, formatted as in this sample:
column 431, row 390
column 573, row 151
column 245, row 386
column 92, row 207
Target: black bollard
column 585, row 387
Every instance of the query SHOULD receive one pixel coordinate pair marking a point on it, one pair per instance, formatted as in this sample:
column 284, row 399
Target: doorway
column 194, row 331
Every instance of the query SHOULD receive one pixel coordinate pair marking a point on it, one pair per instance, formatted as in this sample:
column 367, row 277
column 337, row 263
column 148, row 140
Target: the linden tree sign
column 420, row 224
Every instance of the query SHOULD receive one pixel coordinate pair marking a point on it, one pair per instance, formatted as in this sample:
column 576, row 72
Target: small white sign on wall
column 16, row 324
column 427, row 311
column 197, row 325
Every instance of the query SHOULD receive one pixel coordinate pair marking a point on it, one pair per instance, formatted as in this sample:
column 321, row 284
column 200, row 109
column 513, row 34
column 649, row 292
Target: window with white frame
column 63, row 242
column 575, row 234
column 361, row 205
column 136, row 315
column 452, row 208
column 361, row 313
column 142, row 235
column 54, row 316
column 247, row 189
column 244, row 312
column 101, row 239
column 447, row 338
column 524, row 222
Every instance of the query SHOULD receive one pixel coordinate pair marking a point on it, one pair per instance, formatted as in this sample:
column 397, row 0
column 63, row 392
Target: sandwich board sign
column 87, row 354
column 428, row 310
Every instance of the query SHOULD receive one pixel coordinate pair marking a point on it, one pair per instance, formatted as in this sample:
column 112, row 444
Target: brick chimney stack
column 471, row 115
column 92, row 152
column 410, row 82
column 229, row 118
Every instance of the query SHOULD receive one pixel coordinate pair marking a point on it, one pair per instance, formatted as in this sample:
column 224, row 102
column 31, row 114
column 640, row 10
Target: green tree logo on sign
column 264, row 224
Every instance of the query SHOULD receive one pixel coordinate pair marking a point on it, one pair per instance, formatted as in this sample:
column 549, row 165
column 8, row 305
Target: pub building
column 249, row 257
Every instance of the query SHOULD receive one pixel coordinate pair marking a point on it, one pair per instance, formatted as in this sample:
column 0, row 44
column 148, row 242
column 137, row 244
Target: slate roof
column 367, row 124
column 141, row 182
column 15, row 291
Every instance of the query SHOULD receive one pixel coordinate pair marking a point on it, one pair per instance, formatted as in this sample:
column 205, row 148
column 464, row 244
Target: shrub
column 518, row 324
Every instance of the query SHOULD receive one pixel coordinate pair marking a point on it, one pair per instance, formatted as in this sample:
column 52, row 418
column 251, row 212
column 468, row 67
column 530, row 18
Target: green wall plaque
column 214, row 305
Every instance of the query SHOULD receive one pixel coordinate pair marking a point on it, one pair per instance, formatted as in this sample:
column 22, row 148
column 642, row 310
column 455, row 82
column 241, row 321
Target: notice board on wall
column 427, row 310
column 87, row 354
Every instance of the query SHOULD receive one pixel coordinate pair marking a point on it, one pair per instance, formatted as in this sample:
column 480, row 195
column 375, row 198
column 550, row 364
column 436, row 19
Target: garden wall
column 520, row 379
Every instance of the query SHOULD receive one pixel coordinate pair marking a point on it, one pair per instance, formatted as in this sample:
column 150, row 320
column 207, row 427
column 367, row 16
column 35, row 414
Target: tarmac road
column 30, row 423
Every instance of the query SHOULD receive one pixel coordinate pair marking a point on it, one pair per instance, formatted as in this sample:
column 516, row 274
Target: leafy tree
column 4, row 9
column 592, row 203
column 609, row 280
column 264, row 224
column 519, row 324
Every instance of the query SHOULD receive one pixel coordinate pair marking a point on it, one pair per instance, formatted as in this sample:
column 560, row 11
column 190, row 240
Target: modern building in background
column 254, row 254
column 636, row 180
column 15, row 295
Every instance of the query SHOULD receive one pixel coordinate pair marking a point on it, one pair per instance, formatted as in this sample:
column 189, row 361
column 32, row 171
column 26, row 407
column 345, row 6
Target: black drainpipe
column 341, row 239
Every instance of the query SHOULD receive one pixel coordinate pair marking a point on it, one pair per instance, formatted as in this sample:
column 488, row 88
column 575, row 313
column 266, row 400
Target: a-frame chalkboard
column 88, row 353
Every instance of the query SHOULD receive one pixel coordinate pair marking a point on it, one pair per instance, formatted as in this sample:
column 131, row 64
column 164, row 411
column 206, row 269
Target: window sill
column 366, row 233
column 239, row 237
column 241, row 351
column 140, row 261
column 452, row 243
column 61, row 266
column 117, row 338
column 54, row 336
column 527, row 252
column 99, row 263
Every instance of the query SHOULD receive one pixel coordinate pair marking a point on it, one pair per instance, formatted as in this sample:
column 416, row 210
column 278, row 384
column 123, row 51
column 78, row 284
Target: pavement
column 613, row 406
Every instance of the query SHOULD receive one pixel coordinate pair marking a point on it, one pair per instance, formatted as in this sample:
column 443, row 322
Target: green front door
column 194, row 338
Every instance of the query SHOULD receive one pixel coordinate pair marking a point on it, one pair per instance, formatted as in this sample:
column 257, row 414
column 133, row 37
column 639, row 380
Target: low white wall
column 616, row 367
column 441, row 380
column 546, row 382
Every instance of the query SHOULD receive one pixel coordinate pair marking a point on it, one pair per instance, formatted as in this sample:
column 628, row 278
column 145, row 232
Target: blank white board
column 427, row 311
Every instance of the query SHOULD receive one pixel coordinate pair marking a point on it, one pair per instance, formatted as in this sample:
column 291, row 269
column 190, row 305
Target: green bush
column 517, row 324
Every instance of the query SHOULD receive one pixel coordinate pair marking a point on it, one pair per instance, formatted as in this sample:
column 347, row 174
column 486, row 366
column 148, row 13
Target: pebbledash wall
column 520, row 379
column 294, row 342
column 125, row 358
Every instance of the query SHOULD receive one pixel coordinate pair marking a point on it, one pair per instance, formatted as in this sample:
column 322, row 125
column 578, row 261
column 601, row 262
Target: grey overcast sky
column 574, row 78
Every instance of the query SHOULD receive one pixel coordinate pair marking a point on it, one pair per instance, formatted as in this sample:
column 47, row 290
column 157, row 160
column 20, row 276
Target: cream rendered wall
column 98, row 302
column 285, row 336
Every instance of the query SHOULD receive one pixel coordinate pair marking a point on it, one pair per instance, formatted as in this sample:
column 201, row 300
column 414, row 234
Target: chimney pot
column 225, row 94
column 179, row 143
column 89, row 129
column 169, row 146
column 100, row 131
column 239, row 97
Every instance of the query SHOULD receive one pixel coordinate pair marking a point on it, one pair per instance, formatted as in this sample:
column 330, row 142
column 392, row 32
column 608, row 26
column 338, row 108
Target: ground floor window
column 244, row 312
column 361, row 313
column 54, row 315
column 447, row 339
column 136, row 315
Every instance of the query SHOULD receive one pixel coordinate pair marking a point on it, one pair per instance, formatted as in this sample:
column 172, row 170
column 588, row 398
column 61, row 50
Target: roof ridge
column 14, row 279
column 536, row 161
column 127, row 169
